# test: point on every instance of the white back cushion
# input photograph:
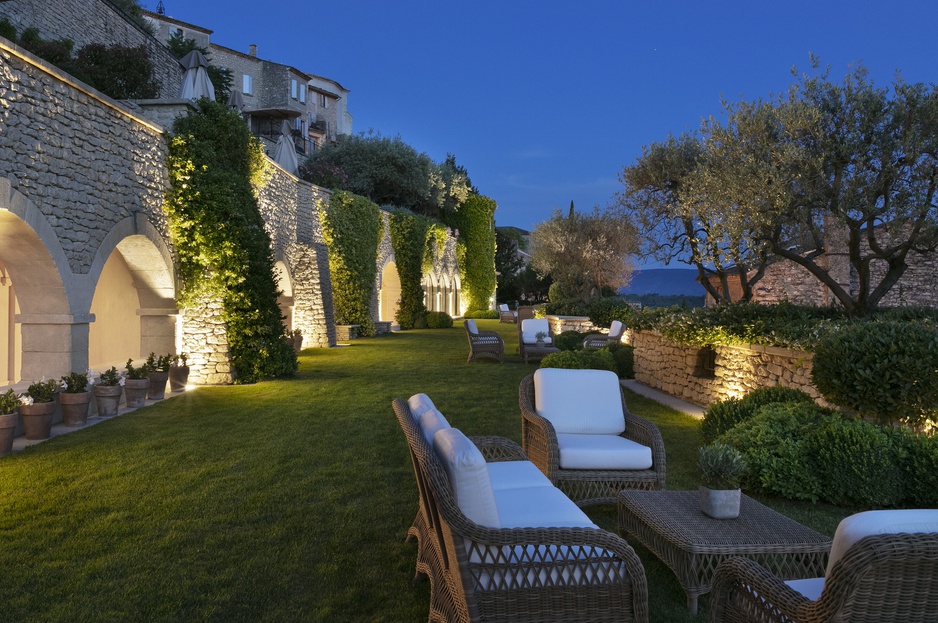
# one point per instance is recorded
(530, 328)
(430, 422)
(468, 476)
(585, 402)
(855, 527)
(503, 307)
(471, 325)
(419, 403)
(615, 329)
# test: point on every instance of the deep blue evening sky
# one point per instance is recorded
(544, 102)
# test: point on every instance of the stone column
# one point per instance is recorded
(157, 330)
(205, 341)
(53, 344)
(312, 294)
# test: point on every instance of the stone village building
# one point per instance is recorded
(87, 268)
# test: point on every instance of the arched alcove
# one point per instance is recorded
(390, 297)
(11, 361)
(285, 301)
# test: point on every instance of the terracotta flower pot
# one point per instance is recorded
(178, 377)
(135, 391)
(157, 389)
(74, 408)
(108, 398)
(37, 419)
(7, 431)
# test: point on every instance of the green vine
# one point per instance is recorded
(410, 234)
(352, 228)
(475, 249)
(224, 250)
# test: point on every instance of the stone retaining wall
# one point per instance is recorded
(683, 371)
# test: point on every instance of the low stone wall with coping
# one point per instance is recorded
(709, 374)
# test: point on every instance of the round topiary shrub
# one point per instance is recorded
(886, 370)
(580, 360)
(624, 356)
(722, 416)
(569, 340)
(439, 320)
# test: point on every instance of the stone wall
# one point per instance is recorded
(94, 21)
(683, 371)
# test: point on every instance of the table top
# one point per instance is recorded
(676, 516)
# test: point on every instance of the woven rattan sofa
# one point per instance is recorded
(600, 340)
(544, 561)
(577, 429)
(883, 568)
(483, 344)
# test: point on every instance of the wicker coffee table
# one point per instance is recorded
(671, 525)
(538, 352)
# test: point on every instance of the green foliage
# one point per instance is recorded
(9, 401)
(135, 373)
(603, 311)
(409, 238)
(569, 340)
(75, 383)
(918, 459)
(55, 51)
(641, 301)
(481, 313)
(159, 364)
(352, 228)
(723, 415)
(476, 249)
(223, 247)
(721, 465)
(109, 377)
(42, 391)
(580, 360)
(134, 11)
(7, 31)
(508, 264)
(888, 370)
(624, 356)
(221, 77)
(119, 71)
(439, 320)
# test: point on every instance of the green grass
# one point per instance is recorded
(280, 501)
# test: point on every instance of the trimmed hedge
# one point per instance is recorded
(475, 248)
(409, 240)
(624, 356)
(724, 415)
(489, 314)
(580, 360)
(569, 340)
(439, 320)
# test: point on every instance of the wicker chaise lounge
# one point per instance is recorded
(883, 568)
(483, 344)
(562, 572)
(600, 340)
(629, 455)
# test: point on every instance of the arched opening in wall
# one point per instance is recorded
(431, 292)
(285, 300)
(389, 299)
(446, 290)
(10, 340)
(457, 297)
(134, 306)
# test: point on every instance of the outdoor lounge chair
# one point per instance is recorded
(483, 344)
(883, 568)
(527, 336)
(506, 315)
(537, 563)
(600, 340)
(576, 428)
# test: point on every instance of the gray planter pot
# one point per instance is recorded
(157, 388)
(719, 503)
(74, 408)
(107, 398)
(135, 392)
(7, 431)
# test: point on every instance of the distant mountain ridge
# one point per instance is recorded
(667, 281)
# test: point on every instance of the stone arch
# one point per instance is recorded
(446, 295)
(389, 298)
(431, 289)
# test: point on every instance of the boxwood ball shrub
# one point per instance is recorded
(624, 356)
(887, 370)
(569, 340)
(580, 360)
(439, 320)
(724, 415)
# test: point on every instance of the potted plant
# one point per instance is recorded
(179, 372)
(37, 409)
(539, 338)
(158, 374)
(136, 384)
(297, 340)
(75, 399)
(107, 392)
(9, 402)
(722, 467)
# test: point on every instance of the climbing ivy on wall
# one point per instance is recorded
(409, 237)
(352, 228)
(475, 249)
(224, 251)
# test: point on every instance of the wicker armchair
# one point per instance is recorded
(506, 315)
(600, 340)
(880, 578)
(484, 344)
(478, 573)
(588, 486)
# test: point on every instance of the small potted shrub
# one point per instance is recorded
(179, 372)
(722, 466)
(37, 409)
(539, 337)
(9, 402)
(107, 392)
(74, 399)
(136, 384)
(158, 374)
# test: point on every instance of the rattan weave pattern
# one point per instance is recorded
(671, 525)
(888, 578)
(485, 345)
(518, 574)
(586, 487)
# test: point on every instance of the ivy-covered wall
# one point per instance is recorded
(475, 220)
(409, 236)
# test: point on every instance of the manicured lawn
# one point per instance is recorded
(280, 501)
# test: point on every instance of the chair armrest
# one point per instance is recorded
(489, 334)
(539, 439)
(496, 449)
(643, 431)
(749, 590)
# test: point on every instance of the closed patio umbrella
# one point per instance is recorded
(195, 82)
(236, 100)
(285, 152)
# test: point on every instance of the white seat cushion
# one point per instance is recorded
(468, 476)
(516, 475)
(419, 403)
(579, 401)
(810, 587)
(602, 452)
(539, 507)
(530, 327)
(430, 422)
(471, 325)
(855, 527)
